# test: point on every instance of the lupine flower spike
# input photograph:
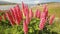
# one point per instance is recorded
(51, 19)
(10, 18)
(16, 16)
(12, 13)
(23, 5)
(19, 12)
(42, 23)
(43, 15)
(26, 10)
(38, 14)
(45, 9)
(30, 14)
(25, 27)
(27, 19)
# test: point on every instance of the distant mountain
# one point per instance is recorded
(48, 3)
(5, 3)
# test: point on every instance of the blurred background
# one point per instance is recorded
(11, 3)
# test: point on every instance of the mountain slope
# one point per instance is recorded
(4, 2)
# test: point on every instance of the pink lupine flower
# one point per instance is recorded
(19, 12)
(23, 6)
(37, 14)
(12, 13)
(27, 14)
(45, 10)
(51, 19)
(43, 15)
(10, 18)
(26, 10)
(46, 13)
(42, 23)
(30, 14)
(27, 18)
(25, 27)
(16, 16)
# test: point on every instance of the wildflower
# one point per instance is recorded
(16, 16)
(27, 19)
(23, 5)
(51, 19)
(30, 14)
(19, 12)
(37, 14)
(26, 10)
(16, 13)
(25, 27)
(43, 15)
(44, 8)
(42, 23)
(10, 18)
(46, 11)
(12, 13)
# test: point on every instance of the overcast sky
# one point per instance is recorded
(31, 1)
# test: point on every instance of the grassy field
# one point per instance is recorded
(53, 8)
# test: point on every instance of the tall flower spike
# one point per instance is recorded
(30, 14)
(12, 13)
(51, 19)
(45, 9)
(23, 6)
(25, 27)
(37, 14)
(42, 23)
(26, 10)
(27, 17)
(16, 16)
(19, 12)
(43, 15)
(27, 14)
(10, 18)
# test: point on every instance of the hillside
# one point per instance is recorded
(5, 3)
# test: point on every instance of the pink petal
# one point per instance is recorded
(30, 14)
(42, 23)
(25, 27)
(38, 14)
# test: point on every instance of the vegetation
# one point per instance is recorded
(7, 28)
